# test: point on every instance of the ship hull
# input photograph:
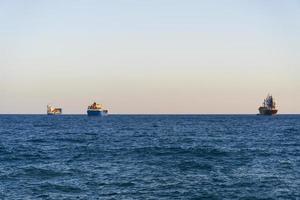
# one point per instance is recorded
(96, 113)
(53, 113)
(265, 111)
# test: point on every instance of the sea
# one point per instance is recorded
(150, 157)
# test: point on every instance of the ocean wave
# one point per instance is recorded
(65, 188)
(42, 173)
(177, 151)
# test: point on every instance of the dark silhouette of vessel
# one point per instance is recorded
(268, 107)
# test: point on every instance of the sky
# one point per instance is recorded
(149, 56)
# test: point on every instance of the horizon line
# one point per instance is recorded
(69, 114)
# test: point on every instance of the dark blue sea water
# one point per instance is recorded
(150, 157)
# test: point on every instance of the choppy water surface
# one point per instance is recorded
(150, 157)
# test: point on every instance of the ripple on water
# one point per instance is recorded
(169, 151)
(66, 188)
(42, 173)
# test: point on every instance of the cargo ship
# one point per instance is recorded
(53, 111)
(268, 107)
(96, 110)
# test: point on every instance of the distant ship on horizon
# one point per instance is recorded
(268, 107)
(96, 110)
(53, 111)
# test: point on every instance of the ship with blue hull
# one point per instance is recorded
(96, 110)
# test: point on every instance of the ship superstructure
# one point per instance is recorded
(96, 110)
(53, 111)
(268, 107)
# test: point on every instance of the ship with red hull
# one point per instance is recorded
(268, 107)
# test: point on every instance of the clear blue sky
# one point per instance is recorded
(158, 56)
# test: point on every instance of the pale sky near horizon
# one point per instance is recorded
(158, 56)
